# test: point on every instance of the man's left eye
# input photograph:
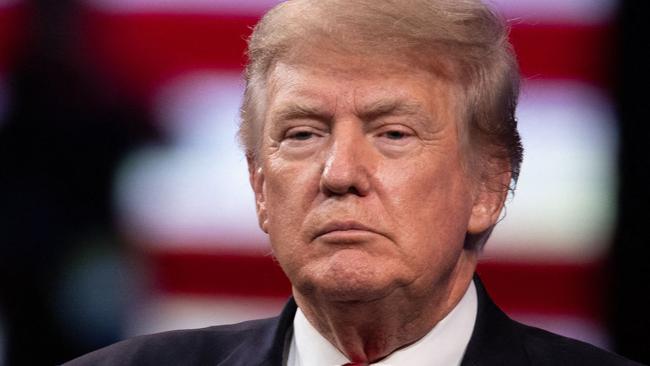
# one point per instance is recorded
(395, 135)
(301, 135)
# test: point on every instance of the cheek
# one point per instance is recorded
(430, 203)
(290, 188)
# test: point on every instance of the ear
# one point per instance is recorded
(489, 198)
(256, 179)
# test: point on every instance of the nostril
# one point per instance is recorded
(352, 190)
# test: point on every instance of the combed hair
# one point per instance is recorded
(463, 41)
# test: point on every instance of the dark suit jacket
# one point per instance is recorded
(496, 340)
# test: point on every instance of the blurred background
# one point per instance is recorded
(125, 207)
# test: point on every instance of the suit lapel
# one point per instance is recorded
(266, 347)
(495, 339)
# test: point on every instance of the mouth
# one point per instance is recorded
(344, 228)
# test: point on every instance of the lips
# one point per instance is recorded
(343, 226)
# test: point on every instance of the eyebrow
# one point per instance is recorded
(299, 111)
(390, 107)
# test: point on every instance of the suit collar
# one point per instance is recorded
(282, 334)
(495, 339)
(267, 346)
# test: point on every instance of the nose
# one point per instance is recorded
(348, 164)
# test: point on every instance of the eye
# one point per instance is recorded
(300, 135)
(395, 135)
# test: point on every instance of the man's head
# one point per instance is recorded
(380, 136)
(461, 40)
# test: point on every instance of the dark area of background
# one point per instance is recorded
(630, 303)
(63, 136)
(66, 131)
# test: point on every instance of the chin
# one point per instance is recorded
(348, 281)
(353, 294)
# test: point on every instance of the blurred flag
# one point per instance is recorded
(188, 207)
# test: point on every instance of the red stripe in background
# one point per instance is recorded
(13, 30)
(553, 289)
(144, 50)
(576, 289)
(574, 52)
(182, 272)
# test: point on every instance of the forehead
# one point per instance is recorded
(335, 81)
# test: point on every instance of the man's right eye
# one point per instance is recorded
(301, 135)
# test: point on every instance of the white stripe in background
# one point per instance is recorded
(568, 326)
(554, 11)
(241, 7)
(193, 191)
(564, 206)
(169, 312)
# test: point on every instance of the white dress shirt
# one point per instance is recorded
(444, 345)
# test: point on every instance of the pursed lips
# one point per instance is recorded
(344, 226)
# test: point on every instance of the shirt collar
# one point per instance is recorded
(445, 344)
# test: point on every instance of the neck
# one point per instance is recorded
(371, 330)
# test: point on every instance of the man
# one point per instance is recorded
(381, 145)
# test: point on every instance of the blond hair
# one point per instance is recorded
(461, 40)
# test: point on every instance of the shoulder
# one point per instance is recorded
(499, 340)
(545, 348)
(187, 347)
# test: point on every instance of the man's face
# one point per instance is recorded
(360, 181)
